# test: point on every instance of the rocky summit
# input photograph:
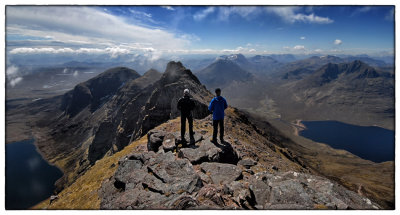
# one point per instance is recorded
(203, 175)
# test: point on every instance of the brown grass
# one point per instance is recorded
(83, 193)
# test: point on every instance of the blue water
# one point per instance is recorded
(29, 178)
(370, 143)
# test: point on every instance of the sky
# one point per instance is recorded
(162, 31)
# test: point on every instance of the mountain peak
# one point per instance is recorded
(176, 71)
(151, 72)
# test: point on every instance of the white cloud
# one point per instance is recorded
(12, 70)
(112, 51)
(299, 47)
(203, 14)
(302, 38)
(76, 73)
(139, 13)
(246, 12)
(224, 12)
(13, 75)
(91, 27)
(15, 81)
(296, 49)
(289, 14)
(361, 10)
(168, 7)
(337, 42)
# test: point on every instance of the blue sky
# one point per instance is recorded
(156, 31)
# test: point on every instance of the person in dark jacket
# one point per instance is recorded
(186, 105)
(217, 107)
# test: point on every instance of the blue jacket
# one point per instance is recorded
(217, 106)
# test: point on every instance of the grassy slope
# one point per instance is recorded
(83, 193)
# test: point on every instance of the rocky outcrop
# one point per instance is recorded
(195, 177)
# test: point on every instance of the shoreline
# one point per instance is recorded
(298, 127)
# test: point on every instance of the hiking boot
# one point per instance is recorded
(192, 140)
(214, 141)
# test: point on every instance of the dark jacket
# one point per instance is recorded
(217, 107)
(186, 105)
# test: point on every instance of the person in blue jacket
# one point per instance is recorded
(217, 108)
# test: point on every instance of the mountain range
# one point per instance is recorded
(319, 87)
(91, 132)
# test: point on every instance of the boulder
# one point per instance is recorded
(204, 151)
(211, 195)
(169, 143)
(221, 173)
(260, 190)
(155, 139)
(247, 163)
(150, 180)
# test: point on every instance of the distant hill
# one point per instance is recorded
(351, 92)
(222, 73)
(284, 58)
(95, 91)
(259, 64)
(298, 69)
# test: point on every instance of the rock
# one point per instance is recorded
(205, 151)
(127, 171)
(240, 193)
(53, 198)
(211, 193)
(155, 140)
(293, 190)
(289, 192)
(285, 207)
(247, 163)
(204, 178)
(228, 154)
(169, 143)
(150, 180)
(184, 202)
(260, 190)
(196, 137)
(221, 173)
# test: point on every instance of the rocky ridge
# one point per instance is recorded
(222, 176)
(74, 134)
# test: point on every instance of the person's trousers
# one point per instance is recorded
(183, 125)
(219, 123)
